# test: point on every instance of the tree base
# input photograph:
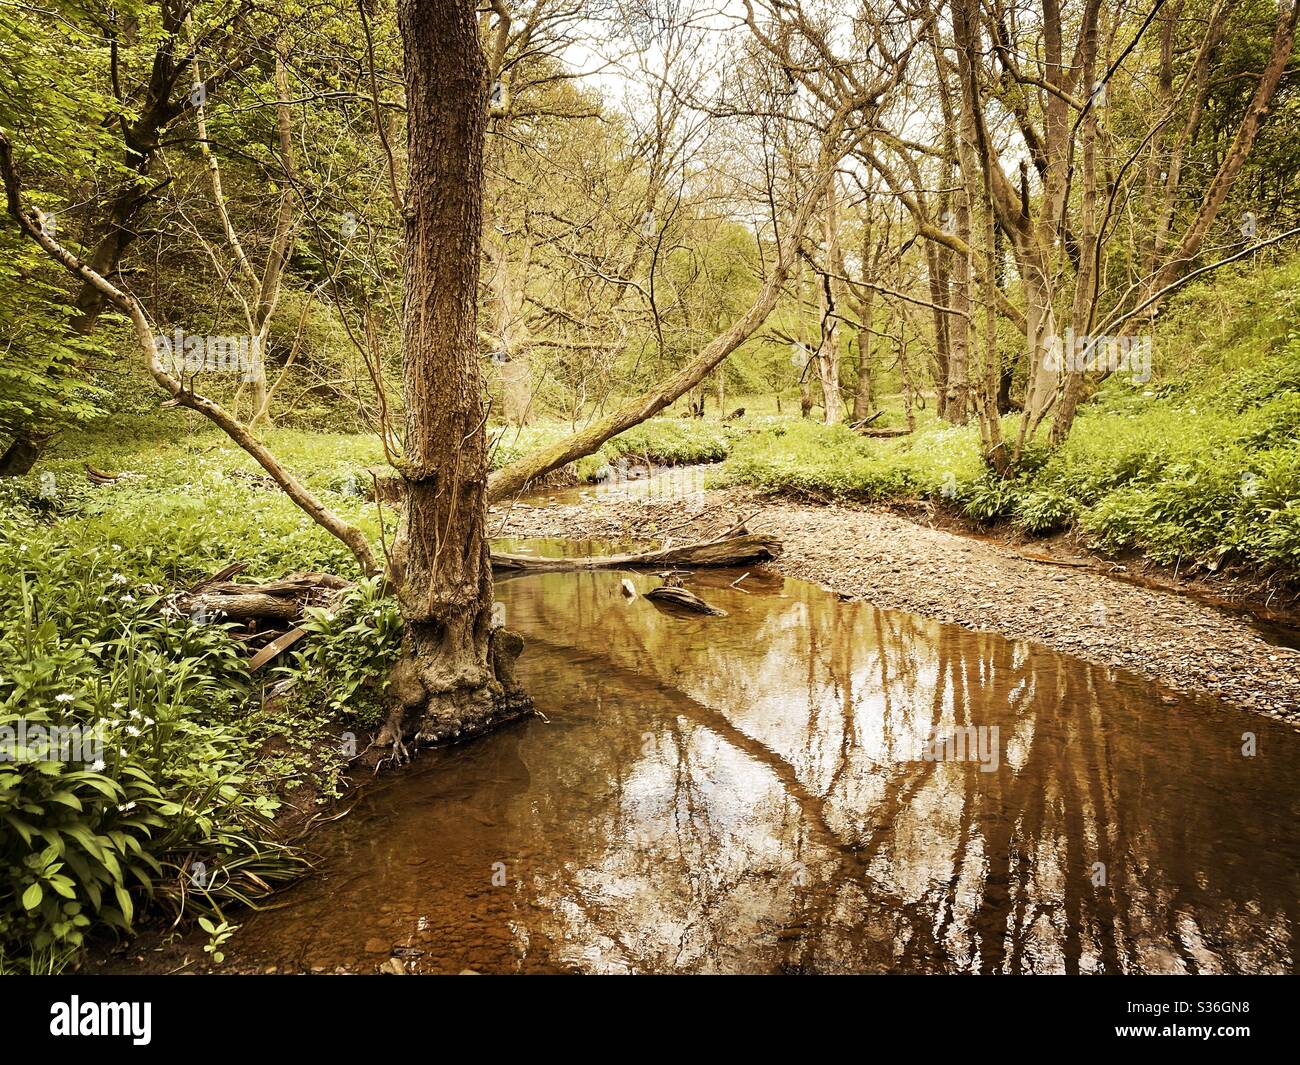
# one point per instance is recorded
(21, 455)
(430, 712)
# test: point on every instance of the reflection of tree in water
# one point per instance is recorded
(738, 794)
(777, 741)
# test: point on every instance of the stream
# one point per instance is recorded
(755, 794)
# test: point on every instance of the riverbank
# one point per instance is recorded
(985, 585)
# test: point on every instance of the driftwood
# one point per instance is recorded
(724, 551)
(680, 597)
(864, 422)
(275, 602)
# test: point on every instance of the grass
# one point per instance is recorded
(1199, 466)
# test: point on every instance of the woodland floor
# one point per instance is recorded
(1072, 604)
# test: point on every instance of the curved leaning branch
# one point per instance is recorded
(509, 481)
(30, 223)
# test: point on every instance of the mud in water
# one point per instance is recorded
(755, 793)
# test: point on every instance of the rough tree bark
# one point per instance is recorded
(455, 677)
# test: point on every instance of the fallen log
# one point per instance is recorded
(275, 601)
(895, 430)
(862, 423)
(296, 584)
(724, 551)
(246, 606)
(680, 597)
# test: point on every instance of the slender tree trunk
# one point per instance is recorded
(957, 405)
(866, 306)
(455, 677)
(905, 372)
(862, 389)
(508, 285)
(829, 291)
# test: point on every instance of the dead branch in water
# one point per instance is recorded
(680, 597)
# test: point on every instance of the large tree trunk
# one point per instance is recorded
(455, 677)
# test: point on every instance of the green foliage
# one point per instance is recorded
(1200, 466)
(344, 663)
(42, 385)
(1044, 509)
(672, 442)
(218, 933)
(798, 455)
(989, 498)
(171, 784)
(662, 441)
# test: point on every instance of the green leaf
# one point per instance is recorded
(124, 901)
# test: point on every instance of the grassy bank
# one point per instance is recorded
(194, 777)
(1199, 466)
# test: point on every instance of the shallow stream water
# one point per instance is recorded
(764, 792)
